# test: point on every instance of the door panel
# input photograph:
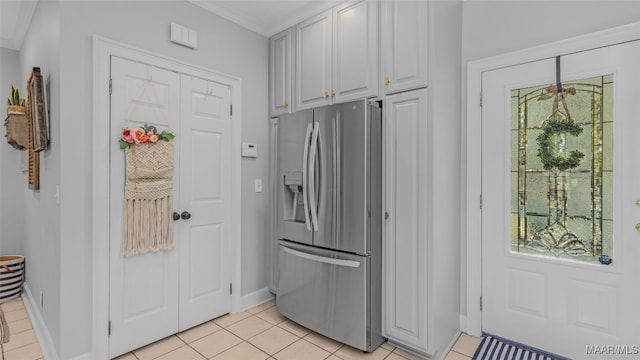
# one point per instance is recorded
(205, 188)
(143, 297)
(343, 141)
(292, 134)
(542, 282)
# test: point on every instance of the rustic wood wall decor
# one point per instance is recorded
(40, 125)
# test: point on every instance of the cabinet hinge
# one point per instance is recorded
(480, 201)
(109, 328)
(231, 110)
(480, 303)
(230, 288)
(481, 99)
(110, 86)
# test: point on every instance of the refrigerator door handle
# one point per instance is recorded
(312, 175)
(304, 176)
(322, 259)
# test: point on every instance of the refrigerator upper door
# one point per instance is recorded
(342, 177)
(294, 137)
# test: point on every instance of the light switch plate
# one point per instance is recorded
(258, 185)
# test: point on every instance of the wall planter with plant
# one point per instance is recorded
(17, 123)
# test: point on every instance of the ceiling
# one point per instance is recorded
(265, 17)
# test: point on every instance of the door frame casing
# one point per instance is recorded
(103, 49)
(617, 35)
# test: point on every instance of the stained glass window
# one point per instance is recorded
(562, 169)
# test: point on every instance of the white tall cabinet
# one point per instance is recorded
(337, 55)
(421, 80)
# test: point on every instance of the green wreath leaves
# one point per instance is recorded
(546, 147)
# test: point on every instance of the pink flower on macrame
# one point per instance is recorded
(153, 138)
(126, 136)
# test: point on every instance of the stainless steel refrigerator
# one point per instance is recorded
(330, 221)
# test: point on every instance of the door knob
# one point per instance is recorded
(176, 216)
(185, 215)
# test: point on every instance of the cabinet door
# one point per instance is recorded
(405, 45)
(280, 68)
(313, 62)
(355, 51)
(406, 196)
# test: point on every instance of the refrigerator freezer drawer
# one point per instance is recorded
(325, 291)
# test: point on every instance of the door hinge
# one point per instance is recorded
(109, 328)
(480, 201)
(110, 86)
(231, 110)
(480, 303)
(386, 215)
(481, 99)
(230, 288)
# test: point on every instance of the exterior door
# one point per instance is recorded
(559, 189)
(205, 188)
(143, 288)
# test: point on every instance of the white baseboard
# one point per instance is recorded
(255, 298)
(39, 326)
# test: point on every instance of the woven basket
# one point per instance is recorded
(11, 277)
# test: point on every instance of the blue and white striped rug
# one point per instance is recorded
(495, 348)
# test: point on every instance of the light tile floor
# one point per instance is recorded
(23, 344)
(259, 333)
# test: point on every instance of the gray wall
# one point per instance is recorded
(491, 28)
(57, 238)
(41, 237)
(12, 181)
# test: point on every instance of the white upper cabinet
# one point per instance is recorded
(337, 55)
(313, 61)
(404, 34)
(355, 51)
(280, 71)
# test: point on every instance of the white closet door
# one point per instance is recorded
(143, 288)
(205, 190)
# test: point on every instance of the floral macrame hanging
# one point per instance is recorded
(148, 190)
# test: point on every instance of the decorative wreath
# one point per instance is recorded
(545, 145)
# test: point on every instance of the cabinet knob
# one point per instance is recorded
(185, 215)
(638, 227)
(386, 80)
(285, 104)
(176, 216)
(326, 94)
(333, 93)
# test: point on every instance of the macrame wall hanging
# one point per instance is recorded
(148, 190)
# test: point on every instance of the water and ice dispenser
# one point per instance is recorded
(293, 202)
